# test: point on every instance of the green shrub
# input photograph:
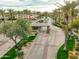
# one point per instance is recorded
(11, 54)
(64, 54)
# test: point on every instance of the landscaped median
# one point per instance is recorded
(11, 54)
(64, 54)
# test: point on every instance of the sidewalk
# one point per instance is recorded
(7, 45)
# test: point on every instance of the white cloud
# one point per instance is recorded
(44, 0)
(9, 1)
(35, 5)
(48, 8)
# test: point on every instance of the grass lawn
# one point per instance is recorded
(64, 54)
(11, 54)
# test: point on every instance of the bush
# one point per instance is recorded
(11, 54)
(64, 54)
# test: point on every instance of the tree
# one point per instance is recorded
(69, 12)
(25, 25)
(44, 14)
(18, 28)
(11, 14)
(75, 24)
(26, 11)
(57, 15)
(66, 12)
(2, 14)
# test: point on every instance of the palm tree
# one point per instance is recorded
(26, 12)
(56, 15)
(73, 10)
(11, 14)
(38, 14)
(44, 14)
(2, 15)
(19, 14)
(68, 11)
(75, 24)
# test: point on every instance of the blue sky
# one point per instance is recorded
(35, 5)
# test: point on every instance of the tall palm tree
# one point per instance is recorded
(2, 15)
(38, 13)
(26, 12)
(75, 24)
(11, 14)
(68, 11)
(19, 14)
(56, 15)
(73, 10)
(44, 14)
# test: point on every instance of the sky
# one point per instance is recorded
(34, 5)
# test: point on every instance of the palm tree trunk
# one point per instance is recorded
(66, 36)
(66, 32)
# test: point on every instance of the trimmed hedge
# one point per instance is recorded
(64, 54)
(11, 54)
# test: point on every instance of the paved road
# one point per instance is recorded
(45, 45)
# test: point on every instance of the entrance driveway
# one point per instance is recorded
(45, 46)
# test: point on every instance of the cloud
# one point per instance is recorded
(35, 5)
(15, 3)
(44, 0)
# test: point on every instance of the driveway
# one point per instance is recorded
(45, 46)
